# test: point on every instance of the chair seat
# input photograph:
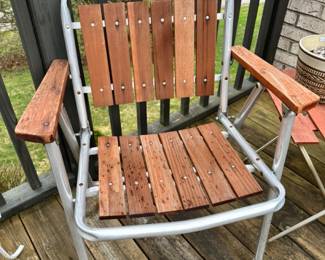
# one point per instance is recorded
(169, 172)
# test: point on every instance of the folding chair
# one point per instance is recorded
(166, 172)
(303, 133)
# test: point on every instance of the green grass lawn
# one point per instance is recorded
(20, 88)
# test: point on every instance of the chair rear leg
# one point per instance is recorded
(264, 234)
(62, 183)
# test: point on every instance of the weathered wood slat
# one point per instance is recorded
(96, 54)
(291, 93)
(184, 47)
(190, 190)
(138, 13)
(161, 18)
(48, 231)
(162, 183)
(212, 177)
(111, 191)
(13, 233)
(140, 201)
(206, 37)
(39, 122)
(317, 114)
(118, 48)
(242, 181)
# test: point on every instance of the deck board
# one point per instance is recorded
(303, 198)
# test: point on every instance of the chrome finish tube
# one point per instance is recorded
(229, 17)
(73, 62)
(249, 104)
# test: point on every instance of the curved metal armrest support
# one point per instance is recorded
(39, 122)
(164, 229)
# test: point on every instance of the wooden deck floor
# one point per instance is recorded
(43, 230)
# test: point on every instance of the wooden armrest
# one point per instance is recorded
(295, 96)
(39, 121)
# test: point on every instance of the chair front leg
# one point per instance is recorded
(278, 166)
(62, 183)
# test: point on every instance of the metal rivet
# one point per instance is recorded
(117, 23)
(101, 90)
(110, 184)
(136, 183)
(205, 80)
(92, 24)
(144, 85)
(46, 124)
(130, 144)
(233, 166)
(164, 83)
(139, 21)
(184, 177)
(123, 87)
(162, 20)
(209, 173)
(67, 26)
(184, 18)
(207, 18)
(184, 81)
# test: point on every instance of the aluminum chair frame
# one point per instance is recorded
(75, 208)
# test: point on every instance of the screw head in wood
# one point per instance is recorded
(92, 24)
(209, 172)
(117, 23)
(130, 144)
(144, 85)
(110, 184)
(184, 177)
(162, 20)
(184, 81)
(207, 18)
(46, 124)
(123, 87)
(233, 166)
(139, 21)
(101, 90)
(164, 83)
(184, 18)
(205, 80)
(107, 144)
(136, 183)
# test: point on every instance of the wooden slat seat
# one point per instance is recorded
(170, 172)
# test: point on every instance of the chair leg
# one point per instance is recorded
(62, 183)
(264, 234)
(312, 168)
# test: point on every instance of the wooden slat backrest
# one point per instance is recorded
(96, 54)
(141, 50)
(206, 29)
(163, 48)
(117, 40)
(150, 57)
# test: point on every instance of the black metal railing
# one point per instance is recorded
(39, 25)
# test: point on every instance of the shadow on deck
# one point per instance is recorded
(43, 230)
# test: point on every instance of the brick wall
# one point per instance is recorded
(303, 17)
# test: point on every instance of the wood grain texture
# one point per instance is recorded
(291, 93)
(184, 47)
(206, 37)
(96, 54)
(212, 177)
(240, 179)
(303, 128)
(111, 191)
(317, 114)
(138, 13)
(140, 201)
(39, 122)
(189, 187)
(162, 183)
(161, 17)
(118, 48)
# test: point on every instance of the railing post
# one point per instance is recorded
(10, 120)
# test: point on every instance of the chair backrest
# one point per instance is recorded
(136, 52)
